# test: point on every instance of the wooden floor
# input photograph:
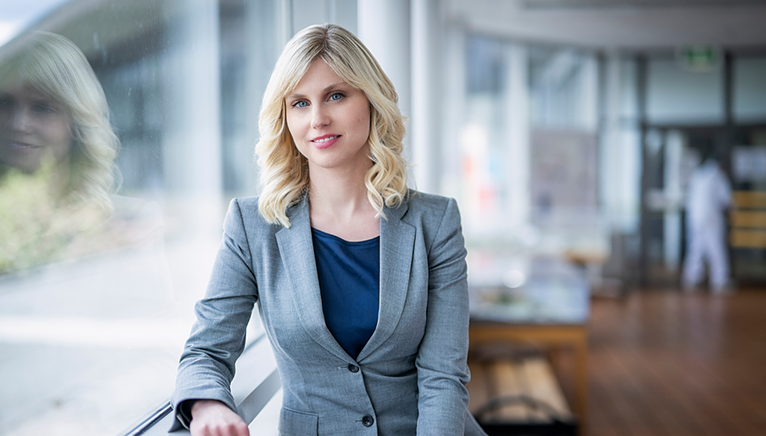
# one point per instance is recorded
(666, 363)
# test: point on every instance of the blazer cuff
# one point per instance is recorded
(182, 415)
(183, 408)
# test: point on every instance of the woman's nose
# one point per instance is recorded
(20, 120)
(319, 117)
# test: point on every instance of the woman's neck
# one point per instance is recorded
(338, 205)
(56, 175)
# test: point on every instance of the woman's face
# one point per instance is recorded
(32, 126)
(329, 120)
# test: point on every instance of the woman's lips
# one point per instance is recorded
(325, 141)
(23, 146)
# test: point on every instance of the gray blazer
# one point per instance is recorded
(410, 376)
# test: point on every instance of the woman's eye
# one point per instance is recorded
(337, 96)
(43, 108)
(300, 103)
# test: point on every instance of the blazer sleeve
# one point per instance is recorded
(441, 361)
(217, 338)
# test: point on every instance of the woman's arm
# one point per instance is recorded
(218, 337)
(441, 362)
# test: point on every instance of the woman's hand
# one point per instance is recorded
(213, 418)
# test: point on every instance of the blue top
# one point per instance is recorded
(349, 280)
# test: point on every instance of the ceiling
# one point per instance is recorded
(618, 24)
(622, 25)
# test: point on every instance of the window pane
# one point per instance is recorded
(562, 89)
(750, 89)
(680, 96)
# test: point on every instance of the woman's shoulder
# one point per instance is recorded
(245, 203)
(434, 215)
(244, 211)
(423, 202)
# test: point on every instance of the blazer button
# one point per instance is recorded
(367, 421)
(353, 368)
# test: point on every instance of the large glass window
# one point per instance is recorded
(124, 131)
(528, 146)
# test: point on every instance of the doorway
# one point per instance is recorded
(670, 155)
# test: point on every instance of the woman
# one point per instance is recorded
(360, 283)
(57, 150)
(52, 107)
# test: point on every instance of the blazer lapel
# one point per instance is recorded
(297, 252)
(397, 242)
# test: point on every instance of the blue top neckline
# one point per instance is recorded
(341, 240)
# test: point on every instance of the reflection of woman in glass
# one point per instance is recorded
(56, 152)
(361, 283)
(52, 107)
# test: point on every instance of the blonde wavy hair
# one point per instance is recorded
(284, 170)
(56, 67)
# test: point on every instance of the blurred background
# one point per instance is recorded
(566, 130)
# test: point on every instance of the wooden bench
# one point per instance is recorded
(518, 394)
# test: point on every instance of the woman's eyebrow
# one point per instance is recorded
(327, 89)
(333, 86)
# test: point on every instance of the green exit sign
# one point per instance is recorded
(699, 57)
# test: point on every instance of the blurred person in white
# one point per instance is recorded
(708, 198)
(360, 282)
(57, 151)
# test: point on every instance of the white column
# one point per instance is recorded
(285, 22)
(263, 20)
(192, 137)
(426, 95)
(384, 27)
(518, 134)
(588, 104)
(610, 156)
(453, 113)
(619, 149)
(674, 147)
(308, 12)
